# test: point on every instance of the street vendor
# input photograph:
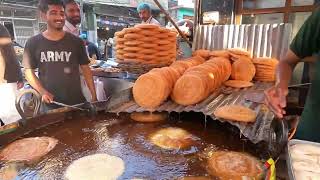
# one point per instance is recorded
(145, 15)
(306, 43)
(10, 78)
(73, 18)
(57, 55)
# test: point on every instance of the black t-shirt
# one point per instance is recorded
(58, 63)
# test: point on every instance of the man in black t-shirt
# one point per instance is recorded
(57, 55)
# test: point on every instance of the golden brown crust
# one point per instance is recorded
(146, 117)
(234, 165)
(236, 113)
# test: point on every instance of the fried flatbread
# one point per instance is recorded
(148, 116)
(172, 138)
(97, 166)
(236, 113)
(238, 84)
(234, 165)
(28, 149)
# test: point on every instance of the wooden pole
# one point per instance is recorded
(173, 23)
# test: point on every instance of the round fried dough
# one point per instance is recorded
(146, 117)
(238, 84)
(150, 39)
(150, 90)
(148, 51)
(236, 113)
(172, 138)
(190, 89)
(27, 149)
(148, 45)
(162, 36)
(131, 30)
(149, 32)
(202, 53)
(97, 166)
(132, 43)
(132, 49)
(239, 51)
(131, 36)
(147, 26)
(165, 47)
(220, 53)
(163, 42)
(243, 70)
(234, 165)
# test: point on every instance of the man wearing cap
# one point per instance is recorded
(145, 15)
(10, 78)
(73, 18)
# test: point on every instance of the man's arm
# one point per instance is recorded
(87, 74)
(305, 44)
(36, 84)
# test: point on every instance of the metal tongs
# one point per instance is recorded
(76, 106)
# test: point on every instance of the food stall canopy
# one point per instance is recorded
(262, 40)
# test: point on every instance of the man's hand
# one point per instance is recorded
(47, 97)
(20, 85)
(275, 99)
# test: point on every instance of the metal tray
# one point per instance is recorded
(289, 159)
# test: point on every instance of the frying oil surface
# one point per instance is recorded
(129, 140)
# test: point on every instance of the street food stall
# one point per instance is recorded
(182, 119)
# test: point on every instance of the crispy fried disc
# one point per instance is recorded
(239, 51)
(120, 40)
(165, 47)
(147, 26)
(163, 42)
(234, 165)
(172, 138)
(202, 52)
(238, 84)
(150, 90)
(150, 32)
(97, 166)
(220, 53)
(149, 45)
(132, 49)
(243, 70)
(148, 116)
(236, 113)
(131, 30)
(28, 149)
(132, 43)
(150, 39)
(132, 36)
(148, 51)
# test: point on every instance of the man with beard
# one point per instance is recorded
(57, 55)
(10, 78)
(73, 19)
(145, 15)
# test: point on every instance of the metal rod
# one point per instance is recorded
(173, 23)
(69, 106)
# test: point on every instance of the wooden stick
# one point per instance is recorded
(173, 23)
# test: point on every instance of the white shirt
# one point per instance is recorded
(151, 20)
(68, 27)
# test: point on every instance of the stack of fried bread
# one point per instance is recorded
(146, 44)
(265, 69)
(198, 82)
(153, 88)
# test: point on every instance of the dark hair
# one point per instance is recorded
(44, 4)
(66, 2)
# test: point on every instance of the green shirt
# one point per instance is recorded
(306, 43)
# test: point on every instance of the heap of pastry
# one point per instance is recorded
(146, 44)
(265, 68)
(198, 82)
(153, 88)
